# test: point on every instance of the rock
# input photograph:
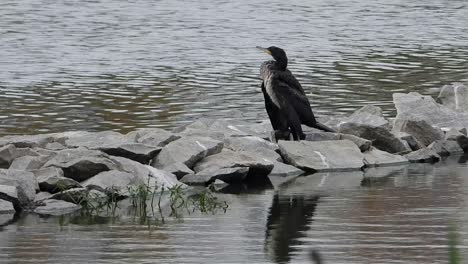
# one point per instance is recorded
(337, 155)
(320, 136)
(459, 137)
(54, 146)
(284, 170)
(379, 158)
(7, 155)
(28, 163)
(113, 181)
(262, 129)
(219, 185)
(27, 141)
(161, 178)
(187, 150)
(423, 155)
(52, 180)
(74, 195)
(445, 147)
(56, 207)
(10, 193)
(6, 207)
(420, 129)
(413, 143)
(253, 144)
(381, 137)
(368, 115)
(24, 181)
(155, 137)
(81, 164)
(134, 151)
(213, 128)
(362, 143)
(454, 96)
(209, 175)
(414, 106)
(178, 169)
(259, 167)
(41, 196)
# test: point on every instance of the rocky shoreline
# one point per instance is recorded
(42, 173)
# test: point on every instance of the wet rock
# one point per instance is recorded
(445, 147)
(414, 106)
(28, 163)
(187, 150)
(10, 193)
(379, 158)
(423, 155)
(284, 170)
(259, 167)
(74, 195)
(420, 129)
(155, 137)
(113, 180)
(209, 175)
(81, 164)
(24, 181)
(380, 137)
(254, 144)
(6, 207)
(337, 155)
(454, 96)
(178, 169)
(56, 207)
(52, 180)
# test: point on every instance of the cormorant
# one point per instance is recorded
(285, 101)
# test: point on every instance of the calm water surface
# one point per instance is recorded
(402, 218)
(106, 64)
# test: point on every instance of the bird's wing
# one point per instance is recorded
(288, 98)
(287, 77)
(276, 119)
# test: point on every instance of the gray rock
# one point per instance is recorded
(10, 193)
(420, 129)
(254, 144)
(56, 207)
(155, 137)
(362, 143)
(380, 137)
(209, 175)
(413, 143)
(318, 135)
(28, 163)
(414, 106)
(134, 151)
(379, 158)
(54, 146)
(284, 170)
(74, 195)
(337, 155)
(423, 155)
(445, 147)
(368, 115)
(178, 169)
(259, 167)
(41, 196)
(219, 185)
(6, 207)
(7, 155)
(187, 150)
(459, 137)
(262, 129)
(81, 164)
(213, 128)
(113, 180)
(24, 181)
(52, 180)
(27, 141)
(454, 96)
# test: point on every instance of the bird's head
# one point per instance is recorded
(278, 54)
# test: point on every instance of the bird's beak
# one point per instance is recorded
(264, 50)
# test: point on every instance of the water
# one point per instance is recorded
(402, 218)
(121, 65)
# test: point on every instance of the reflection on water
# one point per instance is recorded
(403, 217)
(98, 65)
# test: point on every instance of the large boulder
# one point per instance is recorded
(56, 207)
(81, 164)
(381, 137)
(10, 193)
(445, 147)
(336, 155)
(368, 115)
(52, 180)
(24, 181)
(379, 158)
(179, 169)
(454, 96)
(112, 180)
(259, 167)
(209, 175)
(423, 155)
(414, 106)
(28, 163)
(421, 130)
(187, 150)
(253, 144)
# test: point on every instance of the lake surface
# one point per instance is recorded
(121, 65)
(401, 218)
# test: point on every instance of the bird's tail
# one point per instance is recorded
(324, 127)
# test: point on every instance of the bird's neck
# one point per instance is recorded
(281, 63)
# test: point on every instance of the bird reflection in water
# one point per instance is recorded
(288, 219)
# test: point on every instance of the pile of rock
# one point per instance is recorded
(46, 173)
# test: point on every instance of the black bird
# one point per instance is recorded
(285, 101)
